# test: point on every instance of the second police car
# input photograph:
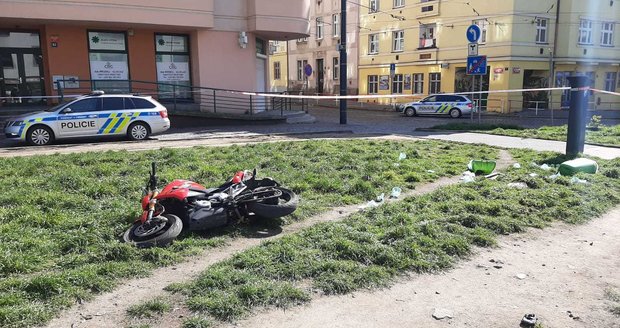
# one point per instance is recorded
(95, 114)
(453, 105)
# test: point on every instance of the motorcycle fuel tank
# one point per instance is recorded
(180, 189)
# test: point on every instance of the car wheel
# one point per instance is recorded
(40, 136)
(138, 131)
(455, 113)
(410, 111)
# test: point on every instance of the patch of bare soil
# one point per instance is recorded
(109, 310)
(560, 273)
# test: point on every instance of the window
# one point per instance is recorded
(336, 24)
(418, 83)
(397, 84)
(173, 69)
(541, 30)
(301, 64)
(373, 84)
(607, 34)
(399, 3)
(398, 41)
(319, 28)
(276, 71)
(86, 105)
(336, 68)
(113, 103)
(435, 83)
(109, 66)
(373, 44)
(483, 24)
(585, 32)
(427, 36)
(143, 103)
(610, 81)
(373, 6)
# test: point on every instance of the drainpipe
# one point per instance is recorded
(553, 55)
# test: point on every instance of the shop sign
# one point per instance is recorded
(384, 82)
(498, 70)
(172, 72)
(109, 70)
(171, 43)
(106, 41)
(516, 70)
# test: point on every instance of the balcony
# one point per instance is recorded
(154, 13)
(279, 19)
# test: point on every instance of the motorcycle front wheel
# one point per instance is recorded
(156, 233)
(283, 203)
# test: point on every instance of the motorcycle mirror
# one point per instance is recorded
(153, 168)
(254, 174)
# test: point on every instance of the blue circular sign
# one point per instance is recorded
(473, 33)
(308, 70)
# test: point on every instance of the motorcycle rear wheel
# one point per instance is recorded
(275, 207)
(158, 235)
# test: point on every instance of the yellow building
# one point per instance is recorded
(427, 43)
(278, 66)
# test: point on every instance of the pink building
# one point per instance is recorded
(209, 43)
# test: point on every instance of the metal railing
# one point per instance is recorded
(179, 98)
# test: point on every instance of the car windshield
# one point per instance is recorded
(55, 108)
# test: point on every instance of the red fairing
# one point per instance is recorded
(238, 177)
(179, 189)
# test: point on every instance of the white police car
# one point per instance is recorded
(95, 114)
(453, 105)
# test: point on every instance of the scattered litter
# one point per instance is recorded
(516, 165)
(498, 266)
(533, 175)
(440, 314)
(371, 204)
(518, 185)
(402, 156)
(380, 198)
(576, 180)
(545, 167)
(481, 166)
(521, 276)
(554, 176)
(529, 320)
(578, 165)
(492, 176)
(396, 165)
(430, 171)
(395, 192)
(468, 177)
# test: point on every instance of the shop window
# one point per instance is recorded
(173, 66)
(109, 66)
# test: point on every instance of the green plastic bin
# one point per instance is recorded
(481, 166)
(578, 165)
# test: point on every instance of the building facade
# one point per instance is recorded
(209, 43)
(278, 66)
(314, 61)
(425, 42)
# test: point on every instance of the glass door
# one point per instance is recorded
(21, 79)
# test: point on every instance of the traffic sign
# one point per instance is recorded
(392, 69)
(477, 65)
(472, 50)
(473, 33)
(308, 69)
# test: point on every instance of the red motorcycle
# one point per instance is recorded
(185, 204)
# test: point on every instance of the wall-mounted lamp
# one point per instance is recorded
(243, 40)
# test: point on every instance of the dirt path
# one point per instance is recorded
(108, 310)
(567, 268)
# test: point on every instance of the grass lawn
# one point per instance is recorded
(420, 234)
(605, 135)
(61, 216)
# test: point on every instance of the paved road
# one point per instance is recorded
(360, 122)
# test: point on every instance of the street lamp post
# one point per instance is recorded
(343, 61)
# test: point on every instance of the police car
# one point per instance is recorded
(452, 105)
(96, 114)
